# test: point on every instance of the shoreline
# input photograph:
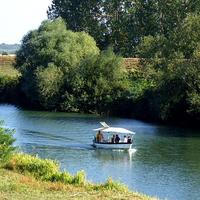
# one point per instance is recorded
(25, 176)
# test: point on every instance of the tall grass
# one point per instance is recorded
(43, 169)
(49, 170)
(26, 164)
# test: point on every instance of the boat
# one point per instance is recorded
(108, 137)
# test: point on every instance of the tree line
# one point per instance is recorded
(123, 23)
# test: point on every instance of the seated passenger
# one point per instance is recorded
(101, 137)
(129, 140)
(113, 139)
(98, 136)
(125, 139)
(117, 139)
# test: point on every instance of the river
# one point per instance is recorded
(166, 163)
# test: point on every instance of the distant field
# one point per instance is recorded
(6, 66)
(7, 62)
(7, 59)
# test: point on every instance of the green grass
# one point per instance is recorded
(30, 177)
(14, 186)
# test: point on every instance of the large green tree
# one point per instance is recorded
(80, 15)
(64, 70)
(48, 59)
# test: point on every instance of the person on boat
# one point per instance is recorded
(113, 139)
(99, 136)
(125, 139)
(117, 139)
(129, 140)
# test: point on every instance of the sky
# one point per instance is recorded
(17, 17)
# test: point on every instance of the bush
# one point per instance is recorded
(114, 185)
(27, 164)
(4, 53)
(79, 178)
(109, 185)
(43, 169)
(6, 142)
(64, 177)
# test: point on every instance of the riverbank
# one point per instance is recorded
(15, 186)
(11, 91)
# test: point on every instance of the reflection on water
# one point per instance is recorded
(114, 156)
(166, 163)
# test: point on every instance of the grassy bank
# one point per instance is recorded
(29, 177)
(14, 186)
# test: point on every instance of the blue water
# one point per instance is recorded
(166, 163)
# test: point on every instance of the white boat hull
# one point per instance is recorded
(112, 146)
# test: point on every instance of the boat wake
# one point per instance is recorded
(132, 150)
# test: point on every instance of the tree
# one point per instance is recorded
(106, 21)
(4, 53)
(102, 80)
(63, 70)
(80, 15)
(48, 59)
(176, 58)
(49, 82)
(123, 24)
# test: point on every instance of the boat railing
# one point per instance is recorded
(109, 142)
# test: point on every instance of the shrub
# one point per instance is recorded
(27, 164)
(114, 185)
(64, 177)
(43, 169)
(6, 142)
(79, 178)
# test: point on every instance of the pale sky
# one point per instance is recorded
(17, 17)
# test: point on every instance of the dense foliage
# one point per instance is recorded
(123, 23)
(172, 63)
(64, 70)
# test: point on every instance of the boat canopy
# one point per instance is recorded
(108, 129)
